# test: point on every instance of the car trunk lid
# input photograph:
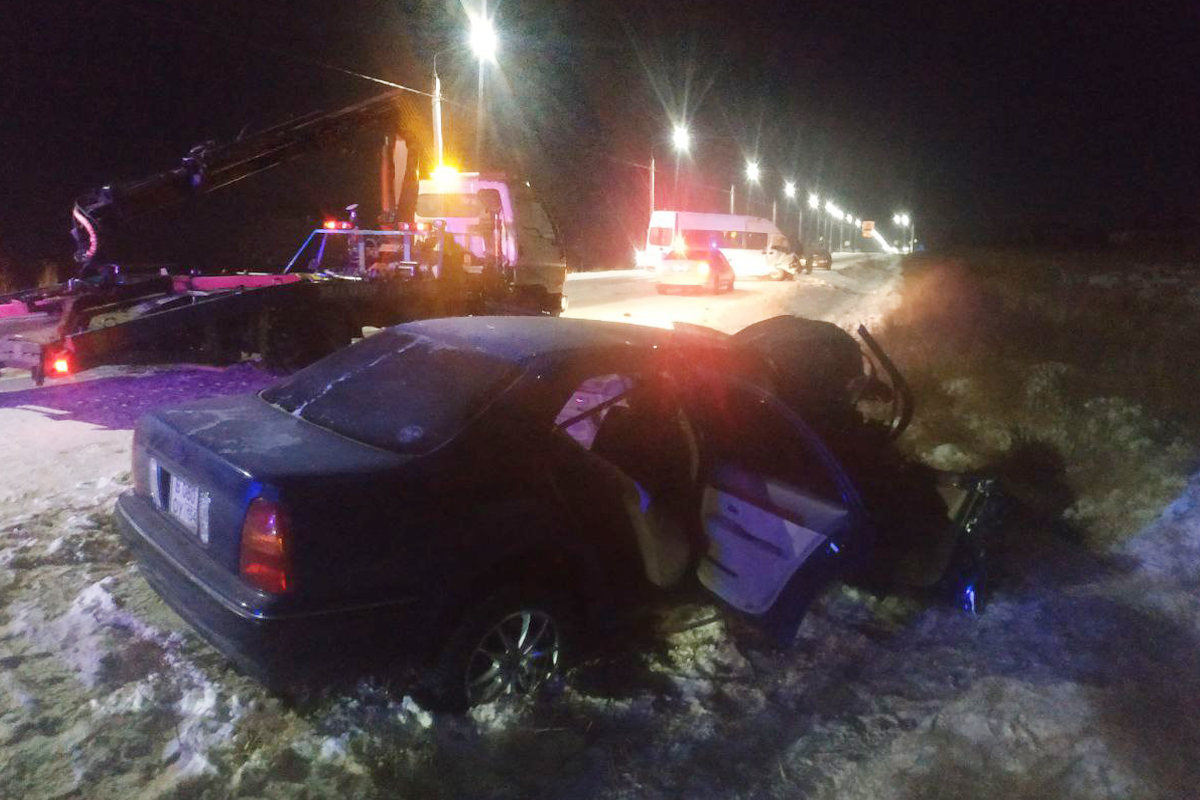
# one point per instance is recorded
(204, 462)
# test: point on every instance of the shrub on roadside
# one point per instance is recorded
(1010, 354)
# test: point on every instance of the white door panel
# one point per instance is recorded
(753, 552)
(814, 512)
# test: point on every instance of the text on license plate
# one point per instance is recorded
(184, 503)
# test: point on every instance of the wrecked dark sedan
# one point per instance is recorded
(466, 494)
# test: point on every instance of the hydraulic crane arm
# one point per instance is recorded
(210, 166)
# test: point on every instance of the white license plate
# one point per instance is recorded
(683, 268)
(185, 503)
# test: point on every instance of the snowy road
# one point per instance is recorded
(630, 296)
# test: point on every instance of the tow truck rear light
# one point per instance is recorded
(266, 553)
(421, 226)
(330, 224)
(58, 365)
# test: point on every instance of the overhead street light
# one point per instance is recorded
(814, 201)
(903, 220)
(681, 137)
(482, 38)
(752, 171)
(789, 190)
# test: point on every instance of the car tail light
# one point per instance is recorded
(703, 268)
(266, 558)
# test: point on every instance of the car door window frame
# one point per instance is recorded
(849, 495)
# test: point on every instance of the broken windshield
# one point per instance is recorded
(396, 391)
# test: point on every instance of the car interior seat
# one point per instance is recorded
(657, 464)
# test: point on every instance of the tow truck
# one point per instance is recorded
(344, 276)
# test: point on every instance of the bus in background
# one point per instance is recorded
(743, 240)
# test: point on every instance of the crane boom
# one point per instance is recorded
(211, 166)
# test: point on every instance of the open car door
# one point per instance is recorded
(778, 514)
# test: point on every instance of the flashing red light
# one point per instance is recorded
(404, 226)
(422, 226)
(62, 365)
(345, 226)
(330, 224)
(266, 558)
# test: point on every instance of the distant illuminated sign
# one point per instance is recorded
(868, 228)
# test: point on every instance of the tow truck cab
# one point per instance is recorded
(496, 219)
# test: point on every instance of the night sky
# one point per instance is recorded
(980, 121)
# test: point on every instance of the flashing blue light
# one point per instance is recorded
(833, 546)
(968, 598)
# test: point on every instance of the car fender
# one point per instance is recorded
(523, 543)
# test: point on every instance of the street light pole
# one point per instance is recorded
(484, 44)
(437, 110)
(652, 198)
(751, 179)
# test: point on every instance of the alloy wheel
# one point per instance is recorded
(516, 656)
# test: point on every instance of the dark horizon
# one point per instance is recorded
(979, 123)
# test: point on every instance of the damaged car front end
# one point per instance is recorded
(932, 531)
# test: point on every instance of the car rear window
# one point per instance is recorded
(394, 390)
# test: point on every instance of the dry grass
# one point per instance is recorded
(1076, 375)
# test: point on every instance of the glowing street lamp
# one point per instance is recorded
(681, 137)
(814, 202)
(789, 190)
(752, 171)
(483, 39)
(905, 221)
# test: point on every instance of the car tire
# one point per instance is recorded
(499, 629)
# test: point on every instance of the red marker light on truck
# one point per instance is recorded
(266, 555)
(62, 365)
(330, 224)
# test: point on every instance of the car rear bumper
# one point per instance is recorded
(281, 647)
(682, 279)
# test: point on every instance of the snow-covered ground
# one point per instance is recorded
(1081, 680)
